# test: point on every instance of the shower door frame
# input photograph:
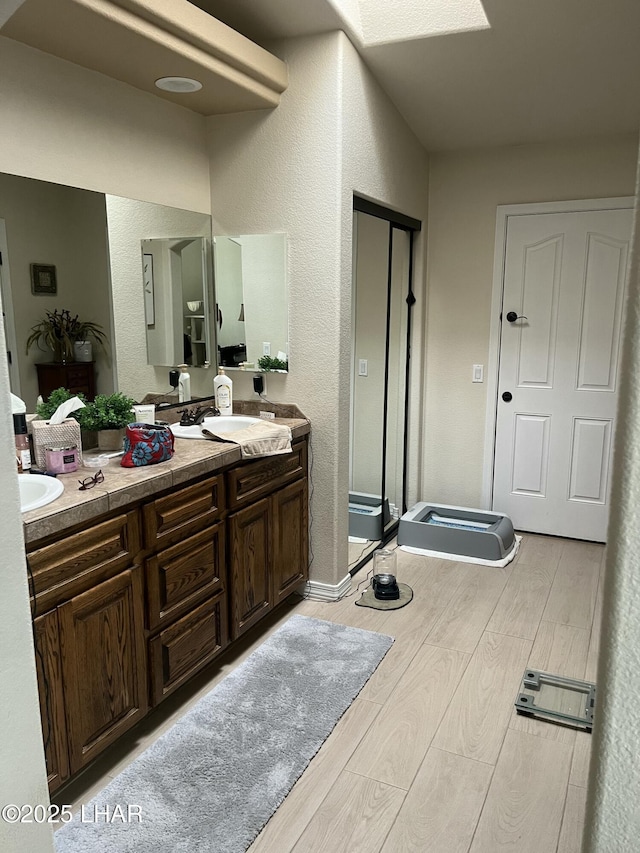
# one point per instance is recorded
(401, 222)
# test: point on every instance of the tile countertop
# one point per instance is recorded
(123, 486)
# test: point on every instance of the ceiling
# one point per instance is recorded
(542, 70)
(488, 72)
(140, 41)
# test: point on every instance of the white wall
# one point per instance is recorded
(295, 170)
(464, 190)
(66, 227)
(71, 126)
(612, 816)
(77, 127)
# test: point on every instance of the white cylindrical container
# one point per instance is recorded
(223, 392)
(184, 385)
(83, 350)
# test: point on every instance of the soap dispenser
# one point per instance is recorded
(184, 385)
(223, 392)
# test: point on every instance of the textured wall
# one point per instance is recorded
(613, 817)
(382, 160)
(465, 189)
(279, 172)
(295, 170)
(22, 771)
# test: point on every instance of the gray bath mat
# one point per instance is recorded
(211, 782)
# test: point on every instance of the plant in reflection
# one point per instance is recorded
(58, 332)
(268, 362)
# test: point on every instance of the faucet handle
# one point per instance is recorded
(185, 417)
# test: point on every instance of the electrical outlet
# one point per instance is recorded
(266, 348)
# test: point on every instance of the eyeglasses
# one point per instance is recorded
(90, 482)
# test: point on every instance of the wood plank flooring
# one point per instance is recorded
(431, 757)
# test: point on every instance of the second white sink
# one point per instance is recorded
(38, 490)
(222, 424)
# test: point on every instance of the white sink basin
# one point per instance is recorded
(37, 490)
(222, 424)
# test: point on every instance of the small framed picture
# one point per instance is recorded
(43, 279)
(149, 294)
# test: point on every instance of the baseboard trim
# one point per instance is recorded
(319, 591)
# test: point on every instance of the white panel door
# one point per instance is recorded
(564, 280)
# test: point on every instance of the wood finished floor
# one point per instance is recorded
(431, 756)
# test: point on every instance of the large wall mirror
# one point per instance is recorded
(380, 327)
(95, 243)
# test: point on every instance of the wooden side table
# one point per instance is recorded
(76, 376)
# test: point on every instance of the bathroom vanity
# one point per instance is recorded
(140, 582)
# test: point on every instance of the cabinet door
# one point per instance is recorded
(290, 564)
(103, 664)
(49, 669)
(250, 549)
(186, 646)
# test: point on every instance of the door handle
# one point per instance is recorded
(512, 316)
(507, 396)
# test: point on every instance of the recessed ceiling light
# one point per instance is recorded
(178, 84)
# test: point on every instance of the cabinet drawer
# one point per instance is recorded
(81, 560)
(183, 512)
(186, 646)
(180, 576)
(254, 480)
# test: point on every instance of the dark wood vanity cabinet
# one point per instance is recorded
(139, 601)
(268, 548)
(77, 377)
(268, 539)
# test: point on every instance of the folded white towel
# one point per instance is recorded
(262, 439)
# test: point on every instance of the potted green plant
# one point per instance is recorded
(108, 415)
(58, 332)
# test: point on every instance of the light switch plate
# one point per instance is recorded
(266, 348)
(363, 367)
(478, 373)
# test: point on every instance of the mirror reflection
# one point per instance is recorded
(251, 313)
(176, 285)
(379, 332)
(94, 242)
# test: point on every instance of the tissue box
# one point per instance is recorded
(46, 434)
